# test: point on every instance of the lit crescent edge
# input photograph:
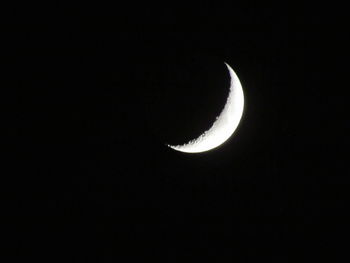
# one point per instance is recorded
(224, 125)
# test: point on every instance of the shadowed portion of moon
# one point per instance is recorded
(192, 92)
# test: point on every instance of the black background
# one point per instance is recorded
(92, 92)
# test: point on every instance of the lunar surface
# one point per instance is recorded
(224, 125)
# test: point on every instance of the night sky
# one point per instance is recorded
(91, 93)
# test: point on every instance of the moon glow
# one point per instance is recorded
(224, 125)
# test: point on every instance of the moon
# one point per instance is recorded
(224, 125)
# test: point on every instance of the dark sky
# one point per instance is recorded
(92, 92)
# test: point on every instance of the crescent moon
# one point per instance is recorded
(224, 125)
